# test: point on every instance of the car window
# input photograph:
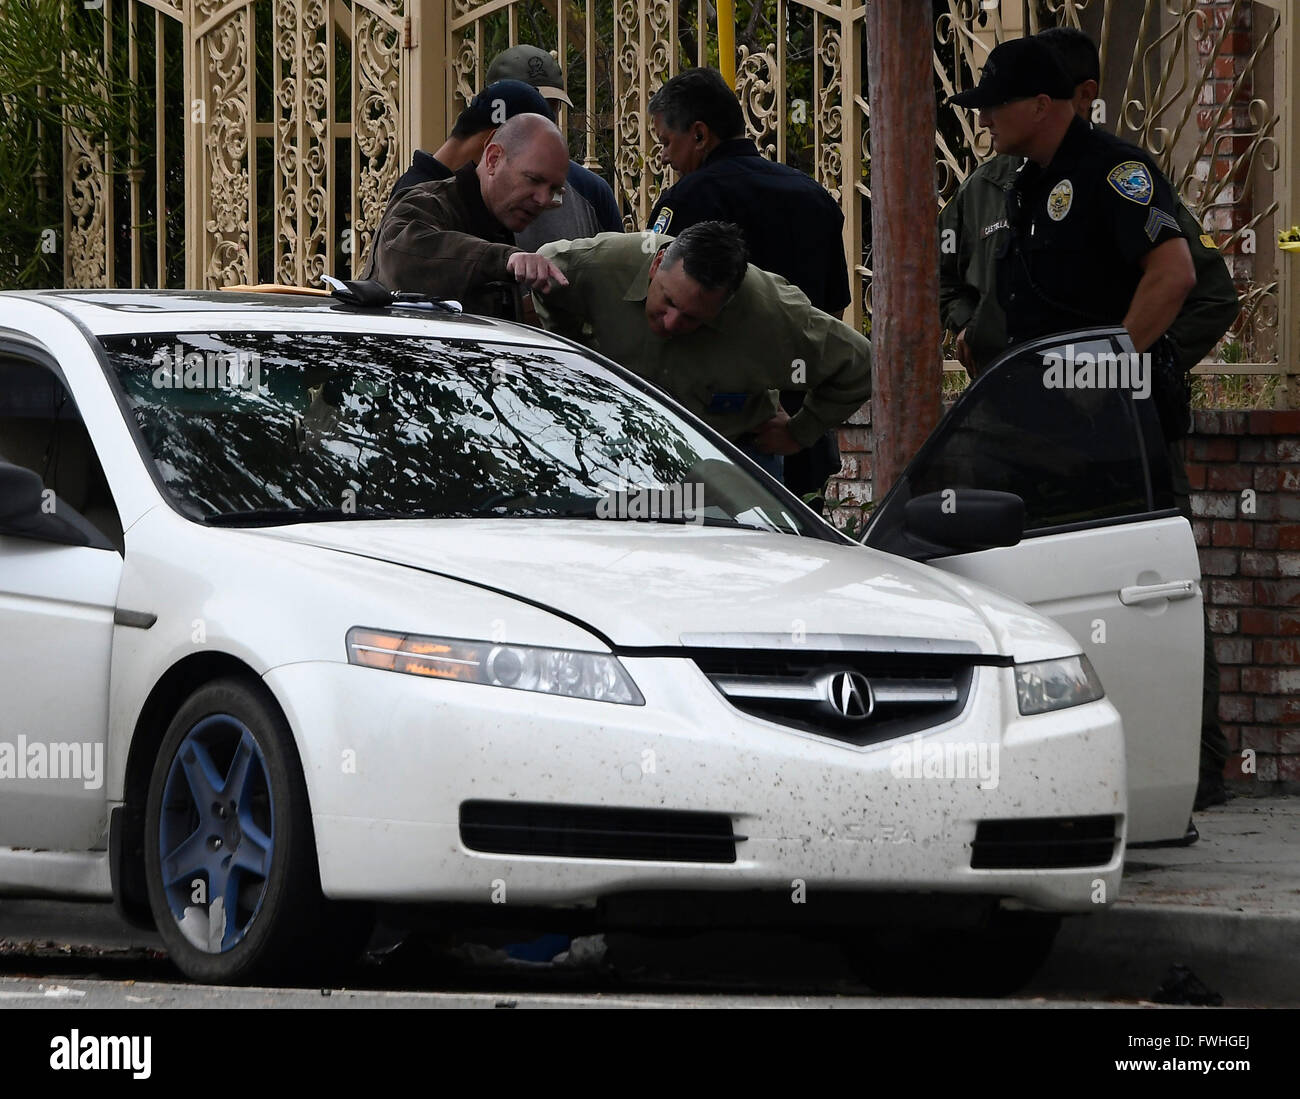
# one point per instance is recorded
(41, 430)
(273, 427)
(1074, 455)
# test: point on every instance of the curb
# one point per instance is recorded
(1248, 957)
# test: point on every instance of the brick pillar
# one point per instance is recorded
(851, 488)
(1233, 208)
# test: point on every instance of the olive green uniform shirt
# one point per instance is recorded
(973, 229)
(768, 337)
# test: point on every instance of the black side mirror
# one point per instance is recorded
(23, 513)
(21, 494)
(966, 519)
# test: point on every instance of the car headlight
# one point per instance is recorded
(1056, 684)
(596, 676)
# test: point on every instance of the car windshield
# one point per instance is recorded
(261, 428)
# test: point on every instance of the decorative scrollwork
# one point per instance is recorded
(287, 151)
(756, 86)
(376, 122)
(87, 255)
(464, 67)
(643, 36)
(1171, 54)
(828, 123)
(225, 143)
(314, 214)
(206, 9)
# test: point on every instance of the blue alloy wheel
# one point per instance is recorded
(216, 833)
(230, 852)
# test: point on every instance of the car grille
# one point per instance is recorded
(586, 832)
(1043, 843)
(910, 692)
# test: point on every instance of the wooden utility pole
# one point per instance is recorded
(907, 368)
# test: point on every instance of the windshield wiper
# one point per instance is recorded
(674, 520)
(275, 517)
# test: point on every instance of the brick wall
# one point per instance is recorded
(846, 493)
(1223, 119)
(1245, 474)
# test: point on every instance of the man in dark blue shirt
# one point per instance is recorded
(790, 222)
(792, 225)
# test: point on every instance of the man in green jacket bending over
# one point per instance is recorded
(692, 317)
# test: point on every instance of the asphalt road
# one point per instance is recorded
(56, 954)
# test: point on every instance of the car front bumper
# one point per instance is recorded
(389, 759)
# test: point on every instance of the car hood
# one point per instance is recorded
(649, 585)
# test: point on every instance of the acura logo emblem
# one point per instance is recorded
(850, 697)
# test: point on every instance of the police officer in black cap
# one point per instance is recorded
(1093, 234)
(1205, 315)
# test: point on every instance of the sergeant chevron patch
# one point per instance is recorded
(1156, 220)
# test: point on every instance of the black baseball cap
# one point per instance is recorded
(502, 100)
(1017, 69)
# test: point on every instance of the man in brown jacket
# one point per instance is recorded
(451, 237)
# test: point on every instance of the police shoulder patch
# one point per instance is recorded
(663, 220)
(1132, 180)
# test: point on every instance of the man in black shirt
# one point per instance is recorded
(791, 224)
(1094, 237)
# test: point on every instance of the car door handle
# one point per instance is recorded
(1148, 593)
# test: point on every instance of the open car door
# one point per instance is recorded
(1103, 551)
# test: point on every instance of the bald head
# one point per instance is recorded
(523, 170)
(516, 134)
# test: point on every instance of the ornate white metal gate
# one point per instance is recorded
(275, 129)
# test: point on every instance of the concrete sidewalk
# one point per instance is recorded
(1228, 908)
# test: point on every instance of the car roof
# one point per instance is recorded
(121, 312)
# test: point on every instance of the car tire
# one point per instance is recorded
(230, 854)
(996, 959)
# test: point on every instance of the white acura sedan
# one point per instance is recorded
(306, 609)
